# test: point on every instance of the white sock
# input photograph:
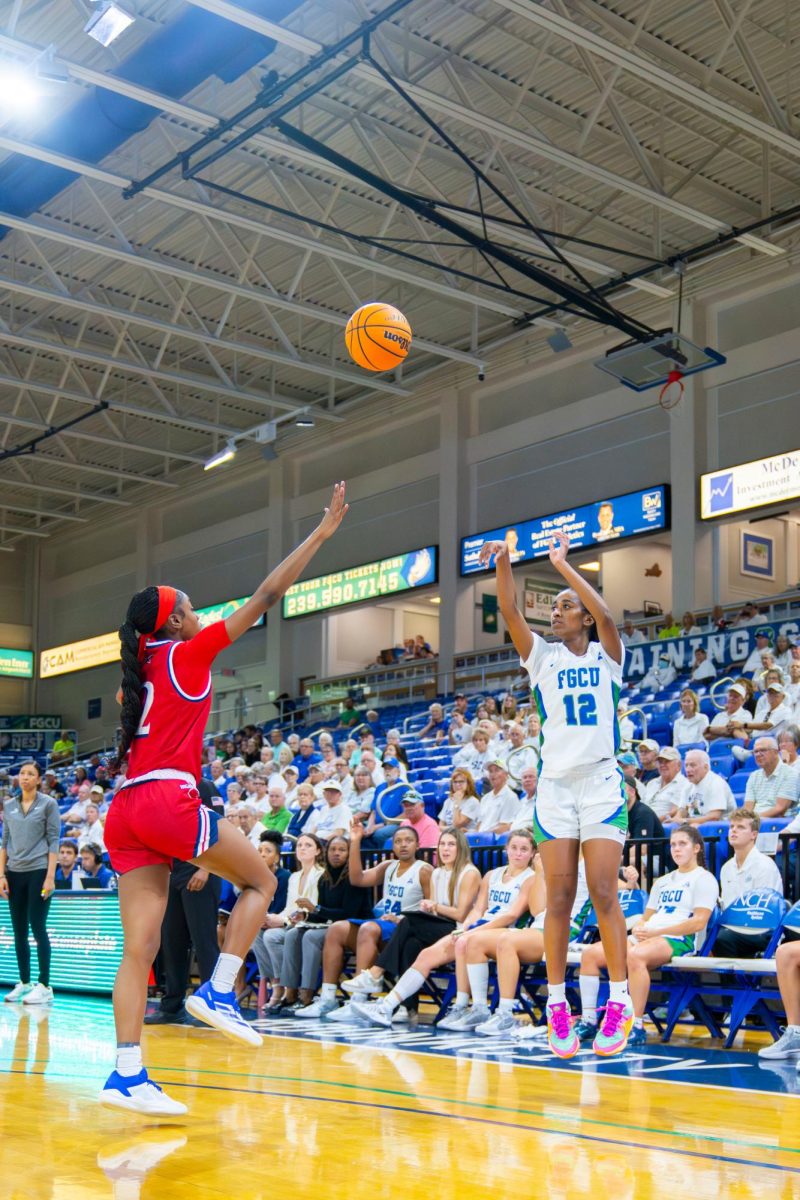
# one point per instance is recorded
(225, 972)
(406, 986)
(618, 991)
(462, 999)
(129, 1059)
(556, 993)
(638, 1023)
(478, 975)
(505, 1005)
(793, 1028)
(328, 991)
(590, 989)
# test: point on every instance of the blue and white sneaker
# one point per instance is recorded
(138, 1093)
(221, 1010)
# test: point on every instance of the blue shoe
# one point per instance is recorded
(221, 1010)
(637, 1036)
(138, 1093)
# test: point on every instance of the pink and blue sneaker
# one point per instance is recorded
(561, 1036)
(612, 1036)
(221, 1010)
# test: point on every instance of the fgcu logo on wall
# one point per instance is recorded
(730, 646)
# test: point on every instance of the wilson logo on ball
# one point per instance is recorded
(378, 337)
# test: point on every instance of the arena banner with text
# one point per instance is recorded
(99, 651)
(611, 519)
(750, 485)
(18, 664)
(29, 721)
(722, 648)
(370, 581)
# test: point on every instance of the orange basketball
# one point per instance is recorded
(378, 337)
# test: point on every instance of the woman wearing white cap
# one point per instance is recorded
(732, 716)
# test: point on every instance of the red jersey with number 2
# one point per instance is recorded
(176, 703)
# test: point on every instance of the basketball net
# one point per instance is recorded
(672, 391)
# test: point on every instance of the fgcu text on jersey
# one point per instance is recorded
(577, 697)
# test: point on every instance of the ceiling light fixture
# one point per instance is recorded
(590, 566)
(222, 456)
(434, 599)
(304, 421)
(108, 23)
(49, 70)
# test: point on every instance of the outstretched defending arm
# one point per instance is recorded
(281, 579)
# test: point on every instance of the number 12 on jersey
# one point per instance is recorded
(581, 709)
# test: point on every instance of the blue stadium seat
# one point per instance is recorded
(724, 765)
(480, 839)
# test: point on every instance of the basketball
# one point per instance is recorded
(378, 337)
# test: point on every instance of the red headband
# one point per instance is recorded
(167, 598)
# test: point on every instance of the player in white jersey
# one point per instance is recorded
(406, 883)
(503, 899)
(674, 921)
(576, 682)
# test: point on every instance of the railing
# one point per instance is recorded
(650, 856)
(18, 744)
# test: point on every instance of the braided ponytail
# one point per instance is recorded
(141, 618)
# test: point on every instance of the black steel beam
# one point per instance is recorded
(591, 309)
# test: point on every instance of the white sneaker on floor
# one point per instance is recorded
(39, 994)
(17, 992)
(501, 1024)
(375, 1011)
(138, 1093)
(363, 984)
(787, 1046)
(401, 1015)
(529, 1033)
(347, 1013)
(477, 1015)
(319, 1008)
(453, 1017)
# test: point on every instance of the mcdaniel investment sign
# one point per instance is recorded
(750, 485)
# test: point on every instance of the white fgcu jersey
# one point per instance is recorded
(577, 697)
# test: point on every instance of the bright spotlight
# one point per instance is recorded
(19, 92)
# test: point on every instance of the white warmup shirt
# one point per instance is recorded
(577, 698)
(756, 872)
(676, 896)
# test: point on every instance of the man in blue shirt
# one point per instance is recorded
(306, 756)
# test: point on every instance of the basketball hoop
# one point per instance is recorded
(672, 391)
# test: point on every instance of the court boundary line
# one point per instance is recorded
(650, 1078)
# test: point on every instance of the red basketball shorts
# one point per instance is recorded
(156, 821)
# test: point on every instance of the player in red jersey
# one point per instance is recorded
(157, 816)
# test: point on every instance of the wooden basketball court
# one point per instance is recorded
(339, 1111)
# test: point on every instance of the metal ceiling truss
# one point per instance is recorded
(188, 318)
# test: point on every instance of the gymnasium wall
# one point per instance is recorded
(541, 433)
